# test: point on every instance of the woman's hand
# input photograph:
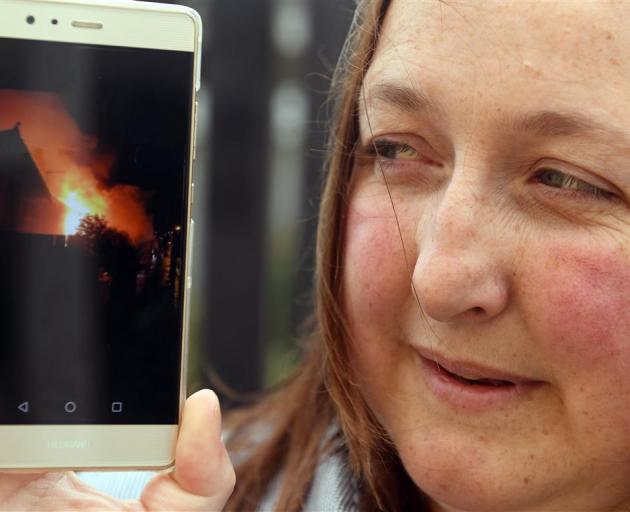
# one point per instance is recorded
(203, 477)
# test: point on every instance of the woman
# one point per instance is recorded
(471, 350)
(483, 360)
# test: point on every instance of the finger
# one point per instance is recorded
(10, 483)
(59, 491)
(203, 478)
(202, 464)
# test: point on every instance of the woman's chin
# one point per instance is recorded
(469, 492)
(460, 476)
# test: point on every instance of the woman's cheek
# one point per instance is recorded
(580, 303)
(375, 277)
(376, 296)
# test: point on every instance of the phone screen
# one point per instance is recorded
(94, 158)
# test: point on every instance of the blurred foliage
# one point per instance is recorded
(280, 350)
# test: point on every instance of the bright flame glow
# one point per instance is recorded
(77, 207)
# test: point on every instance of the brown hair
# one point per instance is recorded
(287, 433)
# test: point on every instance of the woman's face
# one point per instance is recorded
(503, 132)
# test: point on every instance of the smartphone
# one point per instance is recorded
(97, 122)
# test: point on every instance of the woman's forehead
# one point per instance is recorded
(506, 27)
(532, 52)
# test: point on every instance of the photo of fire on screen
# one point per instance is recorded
(93, 175)
(51, 188)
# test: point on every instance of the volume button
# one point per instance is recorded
(191, 248)
(194, 141)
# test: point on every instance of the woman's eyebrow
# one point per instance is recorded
(548, 123)
(400, 96)
(543, 123)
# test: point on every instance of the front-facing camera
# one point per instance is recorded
(30, 20)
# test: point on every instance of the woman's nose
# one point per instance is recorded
(460, 273)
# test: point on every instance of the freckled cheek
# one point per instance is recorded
(376, 294)
(580, 303)
(374, 271)
(376, 281)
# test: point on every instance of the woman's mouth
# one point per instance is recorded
(469, 386)
(475, 382)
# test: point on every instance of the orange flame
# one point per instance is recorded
(71, 167)
(78, 206)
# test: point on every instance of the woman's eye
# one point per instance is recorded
(557, 179)
(390, 150)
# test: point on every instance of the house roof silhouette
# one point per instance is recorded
(26, 204)
(19, 175)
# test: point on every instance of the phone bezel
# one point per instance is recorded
(133, 24)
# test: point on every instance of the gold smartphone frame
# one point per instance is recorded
(123, 23)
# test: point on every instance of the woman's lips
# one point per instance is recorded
(468, 370)
(470, 386)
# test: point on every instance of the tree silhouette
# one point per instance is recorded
(91, 230)
(112, 248)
